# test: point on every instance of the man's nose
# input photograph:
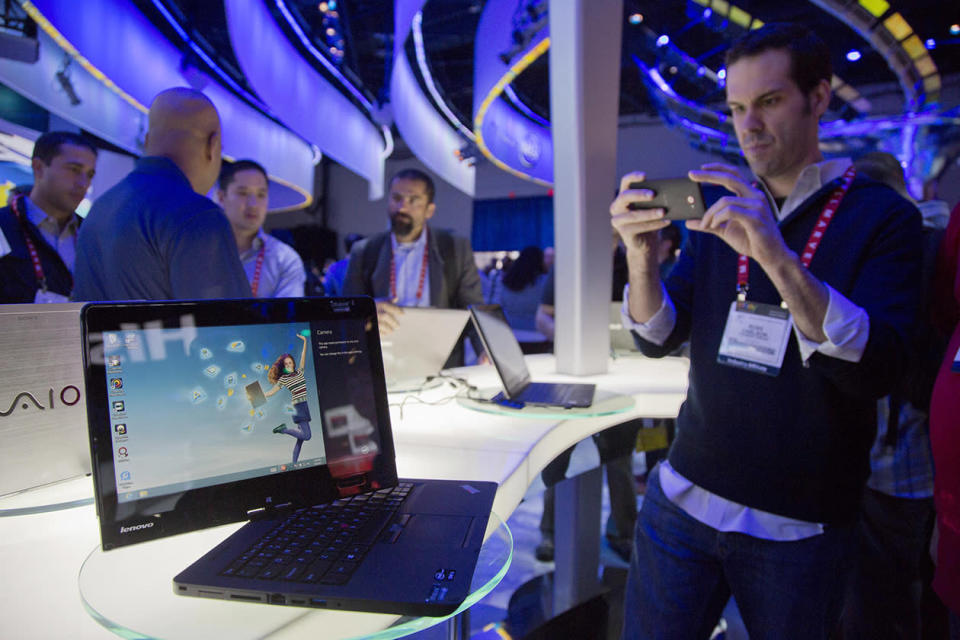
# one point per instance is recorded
(751, 120)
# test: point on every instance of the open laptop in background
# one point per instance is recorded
(420, 345)
(189, 429)
(43, 420)
(502, 347)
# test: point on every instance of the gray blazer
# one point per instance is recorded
(454, 280)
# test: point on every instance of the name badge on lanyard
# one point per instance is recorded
(756, 335)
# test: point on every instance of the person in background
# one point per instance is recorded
(412, 264)
(945, 424)
(333, 280)
(154, 235)
(885, 594)
(274, 269)
(519, 292)
(38, 232)
(761, 489)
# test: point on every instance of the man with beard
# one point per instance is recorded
(412, 265)
(797, 293)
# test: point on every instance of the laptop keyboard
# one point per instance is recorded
(326, 543)
(548, 393)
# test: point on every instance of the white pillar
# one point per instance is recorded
(584, 99)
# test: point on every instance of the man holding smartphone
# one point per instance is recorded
(797, 292)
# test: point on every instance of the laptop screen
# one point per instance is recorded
(236, 415)
(502, 347)
(197, 395)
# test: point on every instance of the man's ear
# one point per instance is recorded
(431, 209)
(820, 98)
(38, 166)
(219, 195)
(213, 145)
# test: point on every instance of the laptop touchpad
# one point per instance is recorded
(444, 529)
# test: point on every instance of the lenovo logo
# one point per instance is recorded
(136, 527)
(69, 396)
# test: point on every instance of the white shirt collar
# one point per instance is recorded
(44, 221)
(811, 179)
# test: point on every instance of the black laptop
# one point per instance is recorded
(272, 411)
(501, 345)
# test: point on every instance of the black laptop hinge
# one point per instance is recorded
(269, 511)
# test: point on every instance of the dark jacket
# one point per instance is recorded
(454, 280)
(18, 283)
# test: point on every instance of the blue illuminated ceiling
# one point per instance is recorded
(449, 26)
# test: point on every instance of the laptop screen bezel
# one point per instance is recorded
(512, 390)
(205, 507)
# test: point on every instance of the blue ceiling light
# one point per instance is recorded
(722, 74)
(955, 29)
(636, 18)
(663, 41)
(853, 55)
(930, 43)
(707, 13)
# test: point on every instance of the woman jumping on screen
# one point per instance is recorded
(285, 373)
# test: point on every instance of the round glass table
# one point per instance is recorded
(605, 403)
(130, 592)
(65, 494)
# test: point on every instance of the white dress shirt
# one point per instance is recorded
(64, 241)
(408, 262)
(282, 274)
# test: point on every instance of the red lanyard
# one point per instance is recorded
(813, 243)
(257, 269)
(423, 270)
(31, 248)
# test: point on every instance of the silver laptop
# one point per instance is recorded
(420, 345)
(43, 414)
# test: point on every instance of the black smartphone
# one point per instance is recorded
(680, 198)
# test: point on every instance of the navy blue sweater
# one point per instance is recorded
(796, 444)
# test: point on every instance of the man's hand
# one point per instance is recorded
(639, 230)
(744, 220)
(388, 316)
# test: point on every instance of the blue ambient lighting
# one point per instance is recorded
(853, 55)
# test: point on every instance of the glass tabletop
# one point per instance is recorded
(130, 592)
(605, 403)
(64, 494)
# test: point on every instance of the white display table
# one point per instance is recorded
(42, 552)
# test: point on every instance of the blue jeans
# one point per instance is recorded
(683, 572)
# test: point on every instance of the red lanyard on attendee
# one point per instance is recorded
(423, 270)
(813, 243)
(257, 269)
(31, 248)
